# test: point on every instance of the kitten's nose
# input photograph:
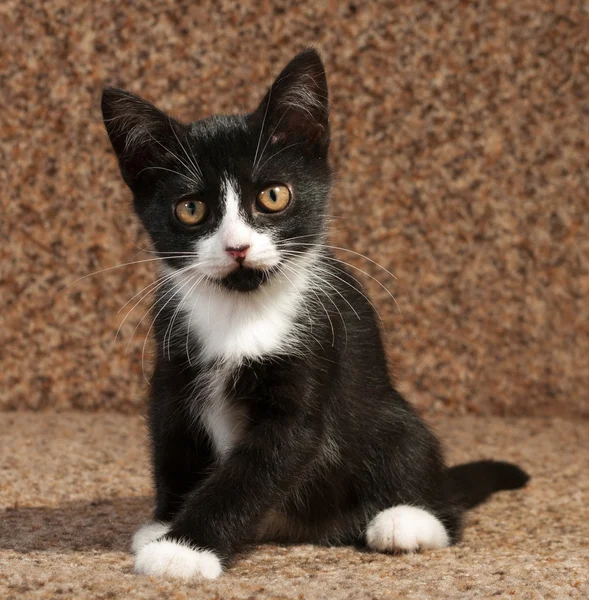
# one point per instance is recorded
(237, 254)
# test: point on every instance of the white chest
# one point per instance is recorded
(232, 327)
(223, 421)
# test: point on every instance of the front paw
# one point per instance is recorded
(175, 559)
(407, 529)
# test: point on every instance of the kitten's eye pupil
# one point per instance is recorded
(273, 198)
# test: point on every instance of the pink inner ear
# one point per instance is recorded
(313, 132)
(317, 133)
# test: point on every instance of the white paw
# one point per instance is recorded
(405, 528)
(177, 560)
(148, 533)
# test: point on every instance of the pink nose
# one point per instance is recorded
(238, 254)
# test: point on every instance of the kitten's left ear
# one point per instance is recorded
(296, 106)
(140, 133)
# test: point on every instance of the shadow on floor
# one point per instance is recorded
(99, 524)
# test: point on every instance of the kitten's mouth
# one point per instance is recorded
(245, 279)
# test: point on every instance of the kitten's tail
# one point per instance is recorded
(472, 483)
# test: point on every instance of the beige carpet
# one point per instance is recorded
(74, 486)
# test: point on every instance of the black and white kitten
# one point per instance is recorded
(272, 414)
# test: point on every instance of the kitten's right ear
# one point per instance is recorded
(296, 106)
(138, 132)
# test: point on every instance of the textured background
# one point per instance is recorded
(461, 150)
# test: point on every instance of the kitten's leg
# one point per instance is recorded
(224, 512)
(180, 463)
(179, 467)
(180, 460)
(174, 478)
(406, 528)
(181, 456)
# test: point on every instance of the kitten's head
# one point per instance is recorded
(232, 197)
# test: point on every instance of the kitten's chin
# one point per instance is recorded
(244, 279)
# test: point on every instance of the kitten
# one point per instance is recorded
(272, 415)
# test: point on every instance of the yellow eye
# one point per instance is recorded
(274, 198)
(190, 212)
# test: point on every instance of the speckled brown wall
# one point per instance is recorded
(461, 150)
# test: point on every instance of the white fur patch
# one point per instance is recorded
(148, 533)
(177, 560)
(233, 326)
(224, 423)
(405, 528)
(234, 232)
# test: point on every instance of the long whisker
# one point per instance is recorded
(188, 322)
(333, 302)
(169, 253)
(351, 252)
(323, 280)
(178, 308)
(298, 237)
(328, 318)
(187, 167)
(164, 253)
(256, 169)
(277, 153)
(135, 262)
(172, 291)
(150, 245)
(152, 324)
(261, 131)
(359, 291)
(157, 284)
(197, 169)
(304, 306)
(361, 271)
(330, 273)
(298, 292)
(191, 179)
(162, 280)
(323, 305)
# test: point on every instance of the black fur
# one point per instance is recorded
(474, 482)
(329, 442)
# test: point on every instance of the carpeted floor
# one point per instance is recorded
(74, 486)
